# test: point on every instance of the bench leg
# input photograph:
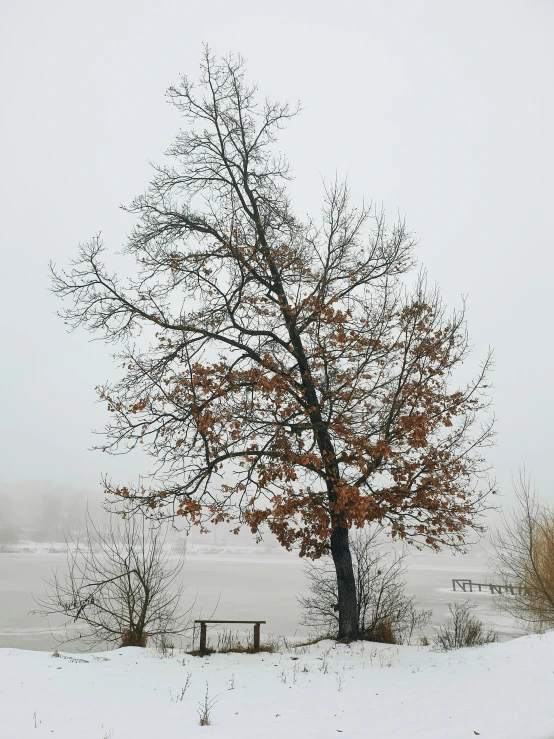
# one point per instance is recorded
(256, 637)
(202, 637)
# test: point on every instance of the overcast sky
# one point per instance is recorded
(442, 111)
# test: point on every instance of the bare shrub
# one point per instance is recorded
(383, 632)
(165, 646)
(524, 558)
(385, 613)
(462, 629)
(120, 586)
(205, 708)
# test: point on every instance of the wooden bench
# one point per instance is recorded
(204, 621)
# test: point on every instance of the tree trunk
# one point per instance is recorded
(340, 547)
(346, 584)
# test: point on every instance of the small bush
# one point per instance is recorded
(382, 632)
(165, 646)
(462, 629)
(130, 638)
(385, 613)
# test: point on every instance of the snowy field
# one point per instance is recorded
(501, 691)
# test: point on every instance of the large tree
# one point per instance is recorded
(285, 375)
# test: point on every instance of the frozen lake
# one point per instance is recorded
(236, 586)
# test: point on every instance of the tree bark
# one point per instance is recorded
(340, 546)
(346, 584)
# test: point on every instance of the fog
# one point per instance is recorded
(441, 112)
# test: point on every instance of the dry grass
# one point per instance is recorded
(524, 557)
(130, 638)
(201, 652)
(540, 573)
(229, 642)
(248, 649)
(382, 632)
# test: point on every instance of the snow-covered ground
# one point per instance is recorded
(325, 690)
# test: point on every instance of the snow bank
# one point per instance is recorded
(372, 691)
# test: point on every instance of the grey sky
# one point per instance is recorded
(442, 111)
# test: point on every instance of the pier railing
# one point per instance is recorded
(468, 586)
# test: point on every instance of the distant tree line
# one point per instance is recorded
(39, 512)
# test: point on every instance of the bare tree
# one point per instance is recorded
(524, 558)
(121, 588)
(385, 612)
(285, 375)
